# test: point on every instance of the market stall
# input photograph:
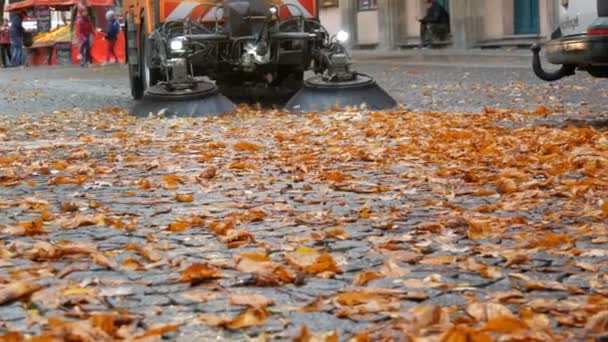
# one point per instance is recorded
(59, 45)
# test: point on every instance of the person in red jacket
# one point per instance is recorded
(86, 29)
(5, 45)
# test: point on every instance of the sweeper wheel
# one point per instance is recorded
(319, 95)
(200, 99)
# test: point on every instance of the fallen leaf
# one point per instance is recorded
(252, 300)
(252, 317)
(505, 324)
(197, 273)
(465, 334)
(598, 323)
(178, 226)
(245, 146)
(170, 182)
(479, 229)
(365, 277)
(310, 261)
(391, 269)
(484, 312)
(17, 290)
(158, 331)
(184, 197)
(207, 174)
(506, 185)
(438, 260)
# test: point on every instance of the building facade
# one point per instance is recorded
(389, 24)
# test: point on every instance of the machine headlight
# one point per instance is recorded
(342, 36)
(274, 10)
(177, 44)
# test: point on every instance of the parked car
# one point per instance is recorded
(580, 42)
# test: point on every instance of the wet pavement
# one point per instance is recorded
(420, 222)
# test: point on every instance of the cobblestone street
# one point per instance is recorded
(477, 211)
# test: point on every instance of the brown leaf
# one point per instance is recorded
(391, 269)
(158, 331)
(598, 323)
(252, 317)
(184, 197)
(132, 265)
(365, 277)
(178, 226)
(242, 166)
(26, 228)
(69, 206)
(170, 182)
(80, 220)
(479, 229)
(484, 312)
(505, 324)
(306, 336)
(252, 300)
(438, 260)
(490, 272)
(245, 146)
(506, 185)
(310, 261)
(197, 273)
(266, 271)
(207, 174)
(465, 334)
(16, 291)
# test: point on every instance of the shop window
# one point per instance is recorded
(329, 3)
(368, 5)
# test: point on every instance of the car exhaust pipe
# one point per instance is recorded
(565, 70)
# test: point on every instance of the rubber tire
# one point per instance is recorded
(155, 74)
(135, 81)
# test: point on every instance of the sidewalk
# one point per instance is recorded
(448, 56)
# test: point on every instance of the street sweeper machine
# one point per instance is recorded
(189, 57)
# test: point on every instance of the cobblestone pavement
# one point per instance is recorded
(266, 225)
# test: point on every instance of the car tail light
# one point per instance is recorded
(598, 31)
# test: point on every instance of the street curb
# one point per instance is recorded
(469, 53)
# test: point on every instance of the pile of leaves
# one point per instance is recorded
(320, 227)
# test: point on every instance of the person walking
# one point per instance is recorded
(16, 38)
(85, 31)
(111, 37)
(5, 44)
(435, 25)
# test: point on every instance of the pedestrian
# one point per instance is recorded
(111, 37)
(81, 16)
(5, 44)
(16, 38)
(435, 26)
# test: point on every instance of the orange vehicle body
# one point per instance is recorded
(138, 10)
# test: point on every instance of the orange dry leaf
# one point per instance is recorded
(335, 176)
(62, 180)
(552, 240)
(178, 226)
(598, 323)
(505, 324)
(242, 166)
(252, 317)
(17, 290)
(266, 271)
(479, 229)
(306, 336)
(247, 146)
(465, 334)
(439, 260)
(506, 185)
(490, 272)
(484, 312)
(365, 277)
(171, 181)
(107, 323)
(207, 173)
(47, 216)
(310, 261)
(132, 264)
(80, 220)
(392, 269)
(32, 228)
(158, 331)
(252, 300)
(197, 273)
(184, 197)
(145, 184)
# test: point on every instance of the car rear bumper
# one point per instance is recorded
(578, 50)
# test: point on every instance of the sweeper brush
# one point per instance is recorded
(198, 55)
